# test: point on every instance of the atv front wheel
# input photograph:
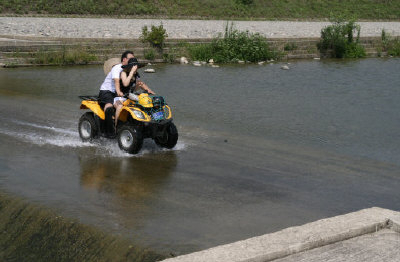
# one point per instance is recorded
(130, 139)
(87, 127)
(169, 137)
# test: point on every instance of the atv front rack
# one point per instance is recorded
(91, 98)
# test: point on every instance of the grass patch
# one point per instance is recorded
(217, 9)
(31, 233)
(234, 46)
(65, 56)
(390, 44)
(290, 47)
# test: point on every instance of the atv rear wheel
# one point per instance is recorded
(169, 137)
(87, 127)
(130, 139)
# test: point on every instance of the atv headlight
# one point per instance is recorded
(138, 114)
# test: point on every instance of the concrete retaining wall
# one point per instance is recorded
(297, 239)
(17, 50)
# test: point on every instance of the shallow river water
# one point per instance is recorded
(260, 149)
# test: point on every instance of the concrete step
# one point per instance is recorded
(301, 56)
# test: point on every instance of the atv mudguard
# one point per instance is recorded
(128, 110)
(94, 106)
(129, 107)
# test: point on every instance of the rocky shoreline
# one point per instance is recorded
(177, 29)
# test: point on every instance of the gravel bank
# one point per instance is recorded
(131, 28)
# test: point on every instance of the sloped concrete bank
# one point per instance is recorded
(100, 38)
(310, 236)
(32, 233)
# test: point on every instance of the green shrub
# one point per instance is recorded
(234, 46)
(169, 58)
(394, 49)
(354, 50)
(149, 54)
(156, 36)
(338, 40)
(244, 2)
(201, 52)
(390, 45)
(290, 47)
(385, 38)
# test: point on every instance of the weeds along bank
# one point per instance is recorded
(32, 233)
(341, 39)
(210, 9)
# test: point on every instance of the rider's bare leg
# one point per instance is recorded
(118, 107)
(107, 106)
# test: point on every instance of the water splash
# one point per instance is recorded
(43, 135)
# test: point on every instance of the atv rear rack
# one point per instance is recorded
(91, 98)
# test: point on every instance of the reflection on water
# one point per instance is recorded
(260, 149)
(127, 178)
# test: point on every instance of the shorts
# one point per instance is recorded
(106, 97)
(119, 98)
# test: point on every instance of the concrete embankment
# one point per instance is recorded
(21, 38)
(32, 233)
(366, 235)
(19, 51)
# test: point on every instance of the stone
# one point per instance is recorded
(149, 70)
(183, 60)
(285, 67)
(196, 63)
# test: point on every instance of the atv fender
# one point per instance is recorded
(94, 106)
(126, 110)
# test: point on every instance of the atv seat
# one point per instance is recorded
(91, 98)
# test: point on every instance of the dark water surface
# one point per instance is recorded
(260, 149)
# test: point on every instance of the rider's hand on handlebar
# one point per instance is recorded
(120, 93)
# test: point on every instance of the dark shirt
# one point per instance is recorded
(132, 84)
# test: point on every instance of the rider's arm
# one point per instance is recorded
(145, 87)
(117, 87)
(127, 79)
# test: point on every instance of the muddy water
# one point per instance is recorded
(260, 149)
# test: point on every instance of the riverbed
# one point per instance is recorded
(260, 149)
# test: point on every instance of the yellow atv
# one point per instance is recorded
(148, 117)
